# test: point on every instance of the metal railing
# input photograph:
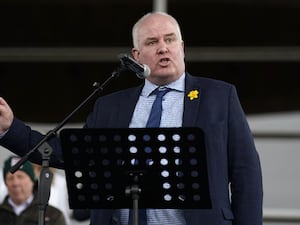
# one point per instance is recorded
(279, 214)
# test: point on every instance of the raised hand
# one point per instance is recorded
(6, 116)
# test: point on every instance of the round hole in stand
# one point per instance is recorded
(131, 138)
(167, 197)
(176, 137)
(78, 174)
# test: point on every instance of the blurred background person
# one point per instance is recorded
(20, 206)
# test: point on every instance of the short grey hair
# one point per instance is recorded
(136, 26)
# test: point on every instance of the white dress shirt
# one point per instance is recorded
(172, 115)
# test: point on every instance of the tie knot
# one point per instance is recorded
(160, 92)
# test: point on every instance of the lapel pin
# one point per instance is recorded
(193, 94)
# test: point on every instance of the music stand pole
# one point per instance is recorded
(44, 182)
(134, 190)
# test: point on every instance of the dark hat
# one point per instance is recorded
(26, 167)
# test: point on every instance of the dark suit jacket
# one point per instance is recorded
(232, 160)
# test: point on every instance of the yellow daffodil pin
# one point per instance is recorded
(193, 94)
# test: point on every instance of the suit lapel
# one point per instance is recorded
(127, 106)
(191, 106)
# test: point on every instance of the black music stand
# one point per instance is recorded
(161, 167)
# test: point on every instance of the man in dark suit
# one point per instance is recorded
(234, 170)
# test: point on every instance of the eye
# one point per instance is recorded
(169, 40)
(151, 43)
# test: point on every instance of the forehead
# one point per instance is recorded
(17, 174)
(157, 25)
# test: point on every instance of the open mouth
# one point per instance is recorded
(164, 61)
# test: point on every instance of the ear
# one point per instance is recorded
(135, 53)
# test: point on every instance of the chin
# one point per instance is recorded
(162, 79)
(165, 72)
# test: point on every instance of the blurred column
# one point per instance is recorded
(160, 5)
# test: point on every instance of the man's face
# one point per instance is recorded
(160, 47)
(19, 186)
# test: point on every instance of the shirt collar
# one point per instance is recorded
(19, 208)
(177, 85)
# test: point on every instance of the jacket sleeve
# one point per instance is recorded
(20, 139)
(244, 167)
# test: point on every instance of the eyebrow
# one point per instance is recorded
(165, 35)
(170, 34)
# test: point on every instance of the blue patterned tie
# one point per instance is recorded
(155, 114)
(153, 121)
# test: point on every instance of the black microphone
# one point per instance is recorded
(141, 70)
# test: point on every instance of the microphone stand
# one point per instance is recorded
(46, 150)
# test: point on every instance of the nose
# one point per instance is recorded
(162, 48)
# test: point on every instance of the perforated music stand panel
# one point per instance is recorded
(170, 164)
